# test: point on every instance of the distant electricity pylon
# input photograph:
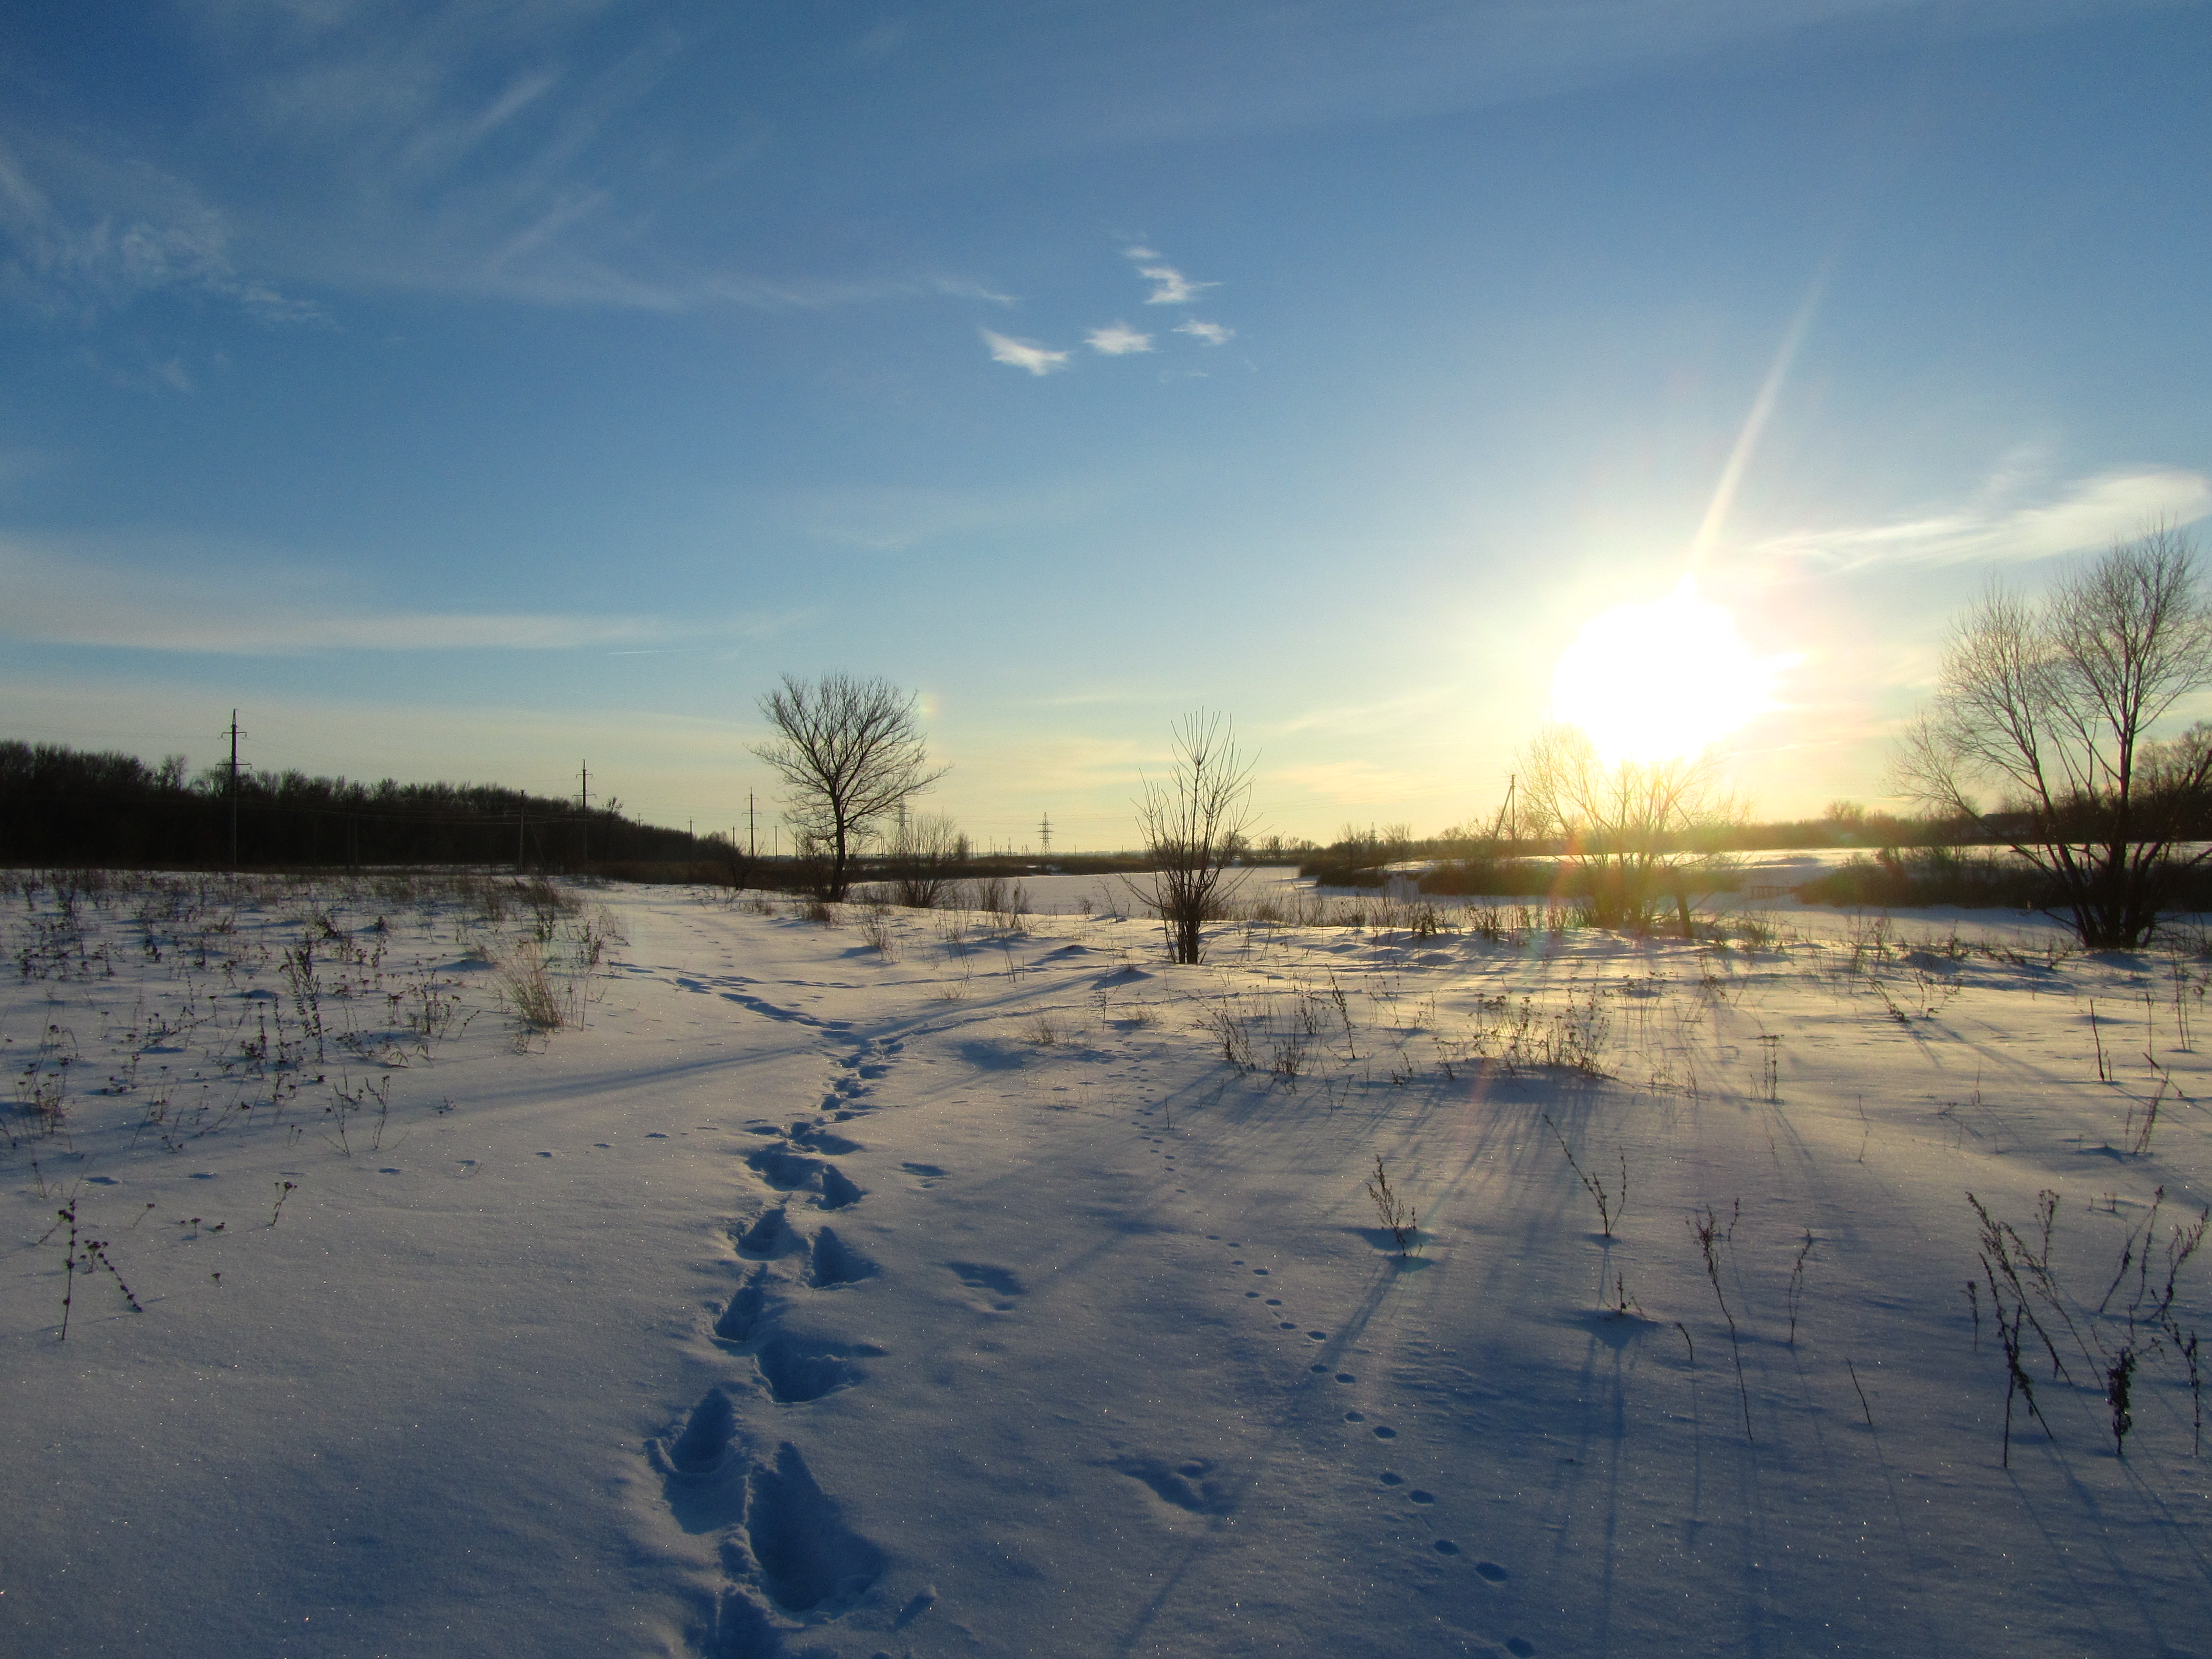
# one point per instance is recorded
(1044, 836)
(231, 789)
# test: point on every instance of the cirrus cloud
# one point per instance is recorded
(2092, 511)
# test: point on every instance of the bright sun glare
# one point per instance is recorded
(1660, 679)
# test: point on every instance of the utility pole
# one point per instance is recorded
(234, 791)
(584, 805)
(752, 841)
(522, 832)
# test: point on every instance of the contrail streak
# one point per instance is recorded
(1754, 424)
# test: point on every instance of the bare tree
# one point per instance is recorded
(850, 752)
(1634, 826)
(1193, 826)
(2051, 705)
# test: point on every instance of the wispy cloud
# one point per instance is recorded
(2090, 513)
(1212, 333)
(1118, 340)
(1348, 782)
(1141, 251)
(102, 234)
(1022, 354)
(889, 519)
(1365, 718)
(528, 150)
(1171, 287)
(185, 598)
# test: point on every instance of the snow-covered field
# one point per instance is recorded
(1017, 1293)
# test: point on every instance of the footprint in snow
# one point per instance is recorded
(707, 1443)
(982, 1276)
(835, 1262)
(748, 1309)
(810, 1561)
(783, 1169)
(828, 1142)
(838, 1189)
(794, 1564)
(769, 1235)
(800, 1369)
(1187, 1485)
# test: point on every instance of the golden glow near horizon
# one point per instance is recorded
(1660, 679)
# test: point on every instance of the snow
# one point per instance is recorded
(967, 1299)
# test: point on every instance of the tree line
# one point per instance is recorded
(60, 805)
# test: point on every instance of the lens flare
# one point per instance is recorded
(1661, 679)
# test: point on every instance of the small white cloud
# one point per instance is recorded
(1022, 354)
(1174, 287)
(1212, 333)
(1140, 253)
(1118, 340)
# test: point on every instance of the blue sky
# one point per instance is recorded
(468, 391)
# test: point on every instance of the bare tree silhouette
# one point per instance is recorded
(850, 752)
(2052, 704)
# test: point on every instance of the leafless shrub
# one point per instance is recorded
(1610, 1204)
(923, 852)
(1399, 1218)
(1194, 827)
(1706, 1227)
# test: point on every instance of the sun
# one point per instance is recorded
(1661, 679)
